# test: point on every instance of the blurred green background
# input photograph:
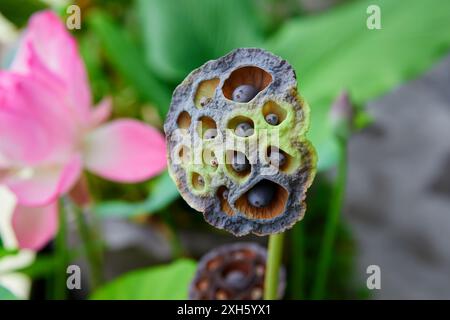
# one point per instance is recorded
(138, 51)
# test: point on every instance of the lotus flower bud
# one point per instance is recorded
(342, 113)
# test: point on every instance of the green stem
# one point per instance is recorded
(274, 256)
(174, 239)
(61, 256)
(331, 225)
(91, 245)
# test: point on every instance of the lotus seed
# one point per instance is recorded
(244, 129)
(225, 194)
(272, 119)
(261, 195)
(210, 134)
(240, 163)
(236, 279)
(278, 159)
(244, 93)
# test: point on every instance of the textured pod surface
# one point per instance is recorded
(233, 271)
(201, 163)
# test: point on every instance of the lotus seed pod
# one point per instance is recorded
(278, 157)
(233, 271)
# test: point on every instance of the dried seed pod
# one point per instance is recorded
(274, 117)
(233, 271)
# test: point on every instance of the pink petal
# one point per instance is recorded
(33, 124)
(22, 142)
(47, 43)
(100, 113)
(70, 175)
(45, 184)
(125, 151)
(35, 226)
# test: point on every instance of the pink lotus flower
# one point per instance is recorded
(49, 131)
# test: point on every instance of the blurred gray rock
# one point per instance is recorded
(398, 199)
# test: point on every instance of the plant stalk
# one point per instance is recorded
(92, 249)
(331, 225)
(91, 244)
(61, 256)
(275, 253)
